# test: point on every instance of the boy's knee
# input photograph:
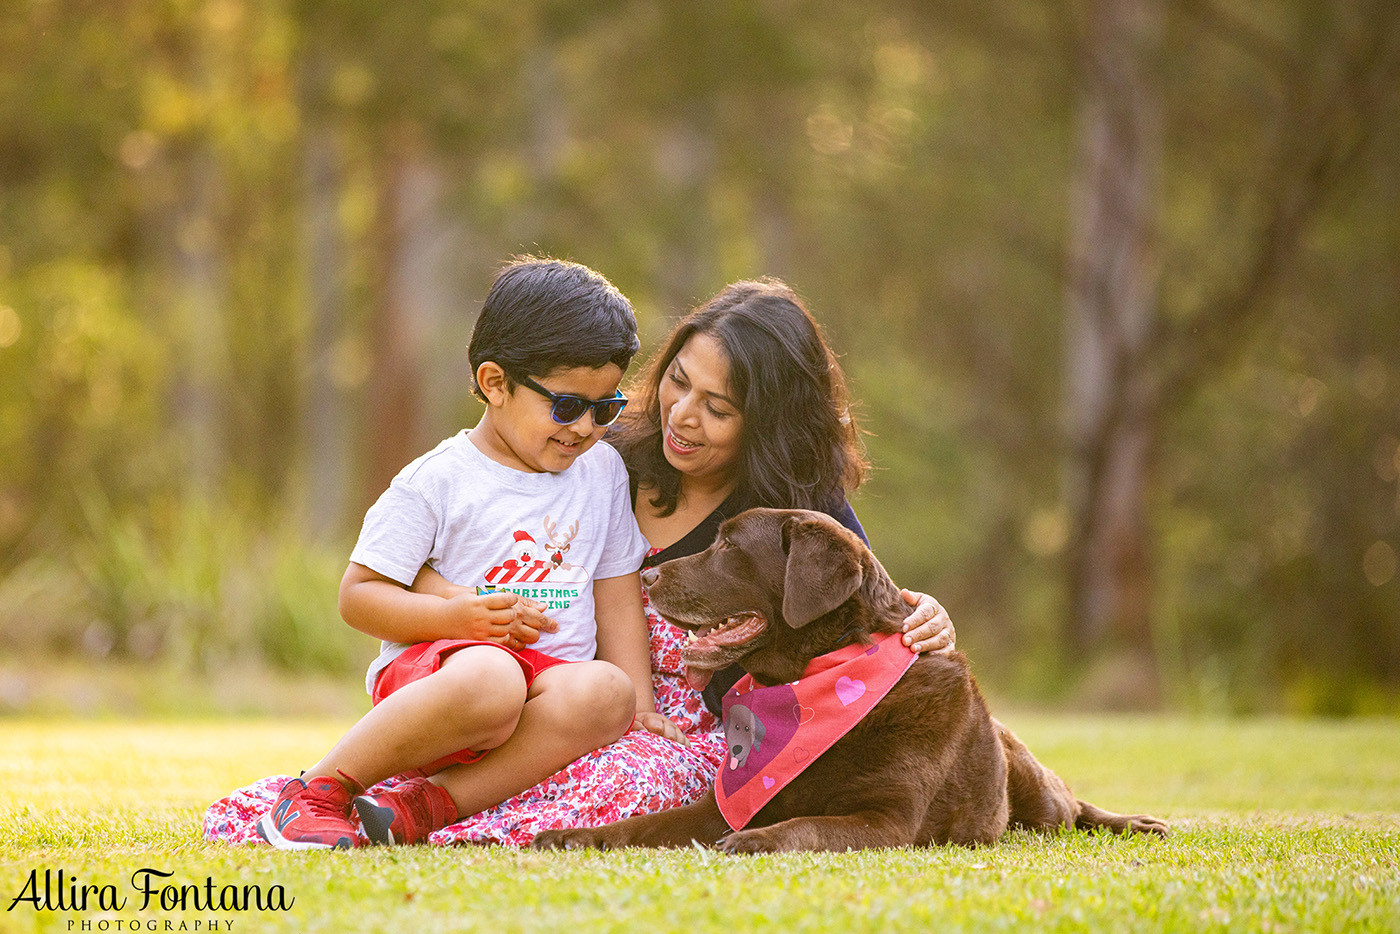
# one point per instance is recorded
(492, 692)
(615, 697)
(607, 686)
(605, 692)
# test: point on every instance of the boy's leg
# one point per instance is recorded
(474, 701)
(571, 711)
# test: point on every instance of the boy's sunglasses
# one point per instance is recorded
(566, 409)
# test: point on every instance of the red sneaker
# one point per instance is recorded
(406, 813)
(310, 815)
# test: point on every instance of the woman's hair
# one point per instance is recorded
(800, 447)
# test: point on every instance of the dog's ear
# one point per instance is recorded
(823, 570)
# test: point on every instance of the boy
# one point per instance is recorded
(455, 679)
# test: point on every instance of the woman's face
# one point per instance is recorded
(702, 426)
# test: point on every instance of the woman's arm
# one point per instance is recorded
(623, 640)
(524, 630)
(431, 582)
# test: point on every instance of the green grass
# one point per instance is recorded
(1280, 826)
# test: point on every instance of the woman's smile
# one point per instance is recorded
(679, 445)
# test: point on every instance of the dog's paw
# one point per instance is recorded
(581, 838)
(1145, 823)
(745, 841)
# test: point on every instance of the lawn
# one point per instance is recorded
(1281, 825)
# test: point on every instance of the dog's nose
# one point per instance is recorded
(649, 576)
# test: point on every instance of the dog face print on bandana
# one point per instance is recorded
(772, 734)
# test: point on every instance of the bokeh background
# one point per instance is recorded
(1116, 283)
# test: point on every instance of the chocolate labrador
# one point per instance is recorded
(926, 764)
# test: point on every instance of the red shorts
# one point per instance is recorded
(419, 661)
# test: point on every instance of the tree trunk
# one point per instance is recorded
(200, 280)
(411, 302)
(687, 158)
(325, 418)
(1111, 301)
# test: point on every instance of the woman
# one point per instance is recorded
(745, 406)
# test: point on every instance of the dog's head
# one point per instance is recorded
(765, 594)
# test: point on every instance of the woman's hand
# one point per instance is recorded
(653, 722)
(928, 628)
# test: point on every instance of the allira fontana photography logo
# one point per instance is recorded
(148, 890)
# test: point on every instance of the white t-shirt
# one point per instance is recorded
(478, 523)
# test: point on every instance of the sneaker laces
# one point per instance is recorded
(329, 800)
(356, 786)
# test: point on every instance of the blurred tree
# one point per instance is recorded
(399, 327)
(1333, 93)
(1111, 311)
(330, 361)
(1279, 601)
(232, 231)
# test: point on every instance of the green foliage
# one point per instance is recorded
(79, 390)
(168, 339)
(193, 589)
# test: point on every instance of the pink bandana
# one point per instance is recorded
(772, 734)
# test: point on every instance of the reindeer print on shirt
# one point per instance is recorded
(558, 545)
(540, 571)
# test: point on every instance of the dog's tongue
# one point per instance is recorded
(697, 678)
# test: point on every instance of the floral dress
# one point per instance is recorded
(641, 773)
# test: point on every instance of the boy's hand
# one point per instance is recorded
(653, 722)
(489, 617)
(529, 622)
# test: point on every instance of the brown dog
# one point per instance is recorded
(928, 764)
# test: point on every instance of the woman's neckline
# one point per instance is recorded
(699, 536)
(692, 510)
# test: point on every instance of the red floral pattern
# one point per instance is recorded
(639, 774)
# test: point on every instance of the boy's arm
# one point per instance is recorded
(530, 620)
(623, 640)
(384, 608)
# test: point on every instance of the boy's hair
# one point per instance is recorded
(545, 313)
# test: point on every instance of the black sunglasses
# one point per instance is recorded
(566, 408)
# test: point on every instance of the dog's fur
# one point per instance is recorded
(927, 765)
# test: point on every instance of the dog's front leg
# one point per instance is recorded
(700, 822)
(830, 834)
